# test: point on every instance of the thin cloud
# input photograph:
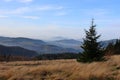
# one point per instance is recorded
(30, 17)
(22, 1)
(25, 1)
(95, 12)
(48, 7)
(61, 14)
(7, 0)
(1, 16)
(20, 10)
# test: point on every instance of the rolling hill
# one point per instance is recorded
(48, 47)
(16, 51)
(39, 46)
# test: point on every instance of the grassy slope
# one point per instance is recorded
(61, 70)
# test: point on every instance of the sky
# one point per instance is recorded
(47, 19)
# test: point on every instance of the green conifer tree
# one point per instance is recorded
(92, 49)
(113, 48)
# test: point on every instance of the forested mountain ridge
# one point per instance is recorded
(16, 51)
(48, 47)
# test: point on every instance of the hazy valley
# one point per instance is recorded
(47, 47)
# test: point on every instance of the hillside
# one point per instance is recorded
(16, 51)
(61, 70)
(34, 44)
(47, 47)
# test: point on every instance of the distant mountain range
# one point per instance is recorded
(39, 46)
(106, 42)
(16, 51)
(68, 43)
(47, 47)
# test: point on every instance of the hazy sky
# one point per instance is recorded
(45, 19)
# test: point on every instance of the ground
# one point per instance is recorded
(61, 70)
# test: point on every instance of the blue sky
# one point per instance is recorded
(45, 19)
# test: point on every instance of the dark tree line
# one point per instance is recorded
(9, 58)
(4, 57)
(113, 48)
(57, 56)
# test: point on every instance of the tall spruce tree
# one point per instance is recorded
(92, 49)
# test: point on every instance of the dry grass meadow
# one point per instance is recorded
(61, 70)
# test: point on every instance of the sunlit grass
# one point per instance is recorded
(61, 70)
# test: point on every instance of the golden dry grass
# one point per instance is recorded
(61, 70)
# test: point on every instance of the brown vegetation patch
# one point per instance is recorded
(61, 70)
